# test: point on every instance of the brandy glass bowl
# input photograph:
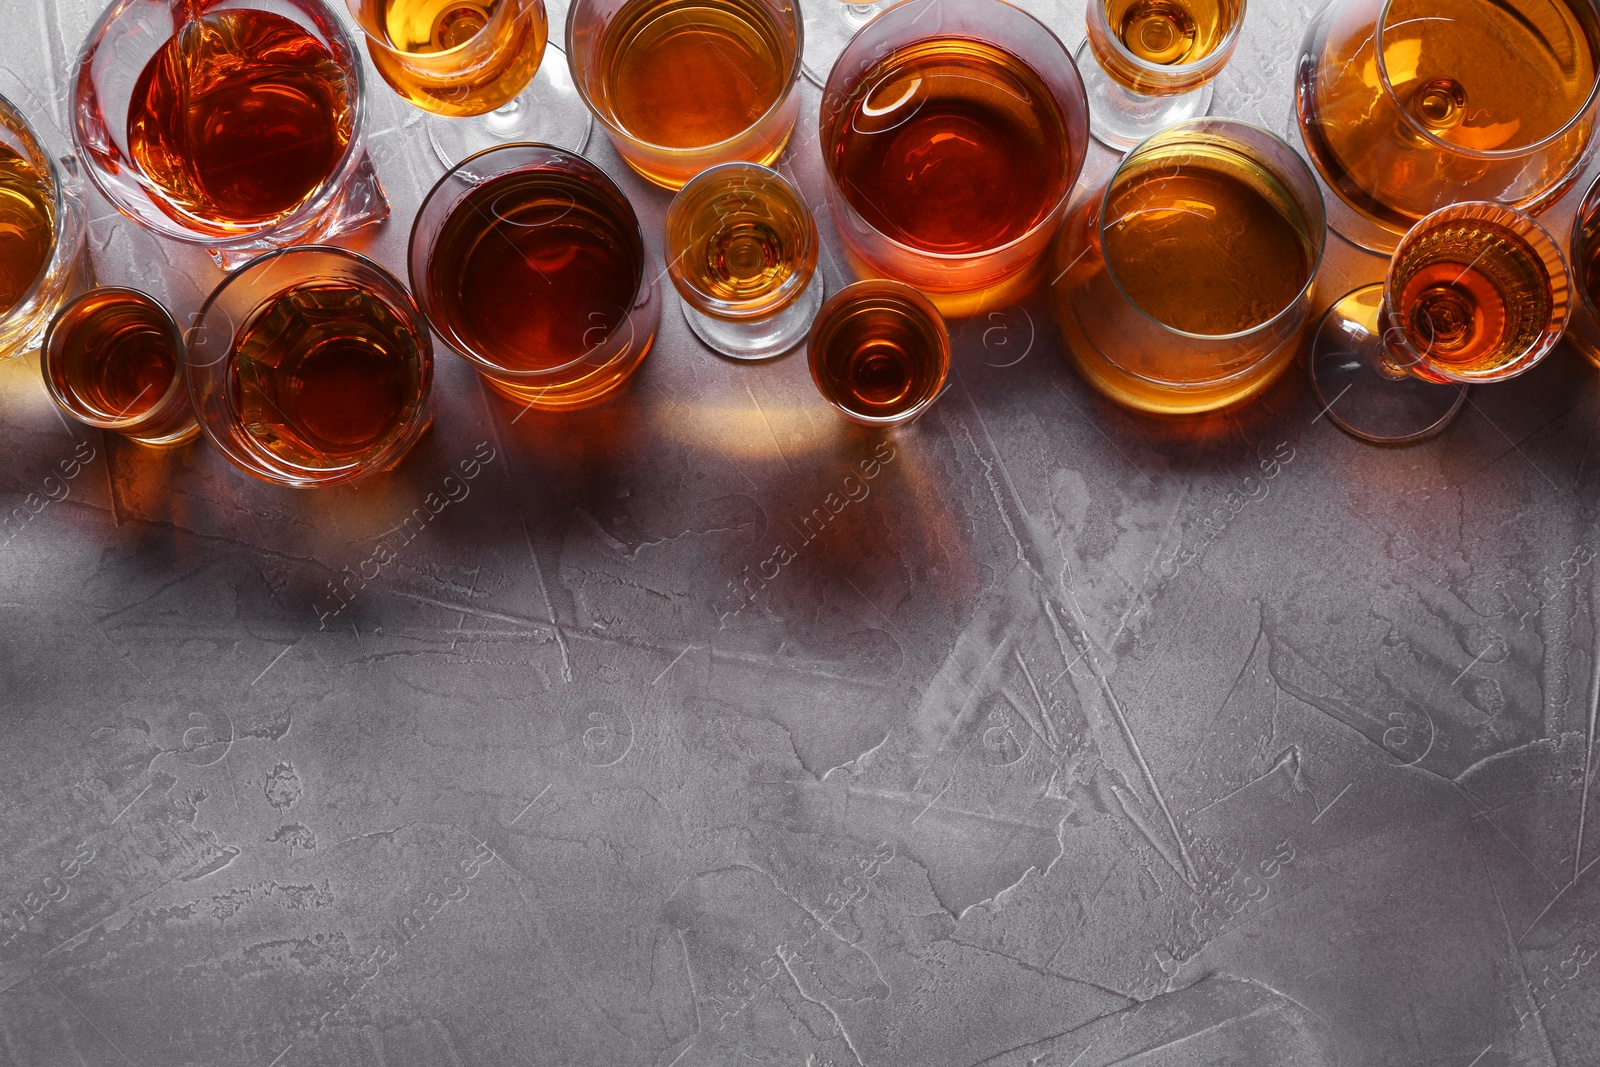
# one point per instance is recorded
(310, 366)
(252, 112)
(1583, 328)
(1406, 106)
(51, 185)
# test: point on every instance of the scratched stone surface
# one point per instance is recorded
(1068, 738)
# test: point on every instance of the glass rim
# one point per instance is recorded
(1311, 274)
(792, 287)
(1552, 332)
(1050, 218)
(313, 205)
(916, 298)
(1168, 71)
(419, 293)
(305, 477)
(1578, 246)
(58, 204)
(179, 376)
(791, 81)
(1593, 26)
(372, 38)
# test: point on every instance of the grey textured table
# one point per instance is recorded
(1077, 739)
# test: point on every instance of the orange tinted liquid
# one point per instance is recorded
(457, 57)
(535, 271)
(119, 355)
(27, 226)
(877, 355)
(952, 147)
(239, 118)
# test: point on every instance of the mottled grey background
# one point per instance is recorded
(1081, 740)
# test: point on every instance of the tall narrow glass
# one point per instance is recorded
(1183, 285)
(235, 127)
(1405, 106)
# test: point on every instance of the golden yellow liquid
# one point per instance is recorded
(736, 242)
(692, 73)
(1170, 32)
(1206, 243)
(27, 227)
(1477, 76)
(457, 57)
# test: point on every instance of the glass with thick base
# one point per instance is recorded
(530, 263)
(681, 85)
(1153, 63)
(478, 69)
(237, 127)
(742, 252)
(1406, 106)
(1184, 284)
(311, 366)
(43, 224)
(1475, 293)
(113, 359)
(879, 353)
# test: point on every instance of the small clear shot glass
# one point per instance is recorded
(879, 352)
(41, 271)
(742, 252)
(1144, 361)
(113, 359)
(311, 366)
(110, 71)
(530, 263)
(656, 119)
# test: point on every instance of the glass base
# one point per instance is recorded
(1343, 219)
(1120, 119)
(1358, 392)
(359, 202)
(829, 25)
(759, 338)
(549, 111)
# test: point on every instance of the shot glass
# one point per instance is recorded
(113, 358)
(311, 366)
(43, 224)
(1183, 283)
(237, 127)
(742, 252)
(879, 352)
(530, 263)
(680, 85)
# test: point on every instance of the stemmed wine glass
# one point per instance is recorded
(1476, 292)
(476, 67)
(1405, 106)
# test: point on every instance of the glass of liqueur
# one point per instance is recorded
(1153, 63)
(476, 67)
(742, 252)
(879, 352)
(113, 358)
(235, 128)
(952, 132)
(680, 85)
(530, 262)
(1583, 328)
(1476, 292)
(1185, 284)
(311, 366)
(1405, 106)
(43, 224)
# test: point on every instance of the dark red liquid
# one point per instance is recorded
(239, 117)
(534, 271)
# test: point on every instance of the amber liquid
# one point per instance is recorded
(1470, 296)
(877, 355)
(115, 354)
(536, 270)
(1170, 32)
(952, 146)
(1480, 76)
(326, 375)
(692, 73)
(27, 227)
(1205, 241)
(738, 244)
(239, 119)
(472, 55)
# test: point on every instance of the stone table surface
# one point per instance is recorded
(1076, 739)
